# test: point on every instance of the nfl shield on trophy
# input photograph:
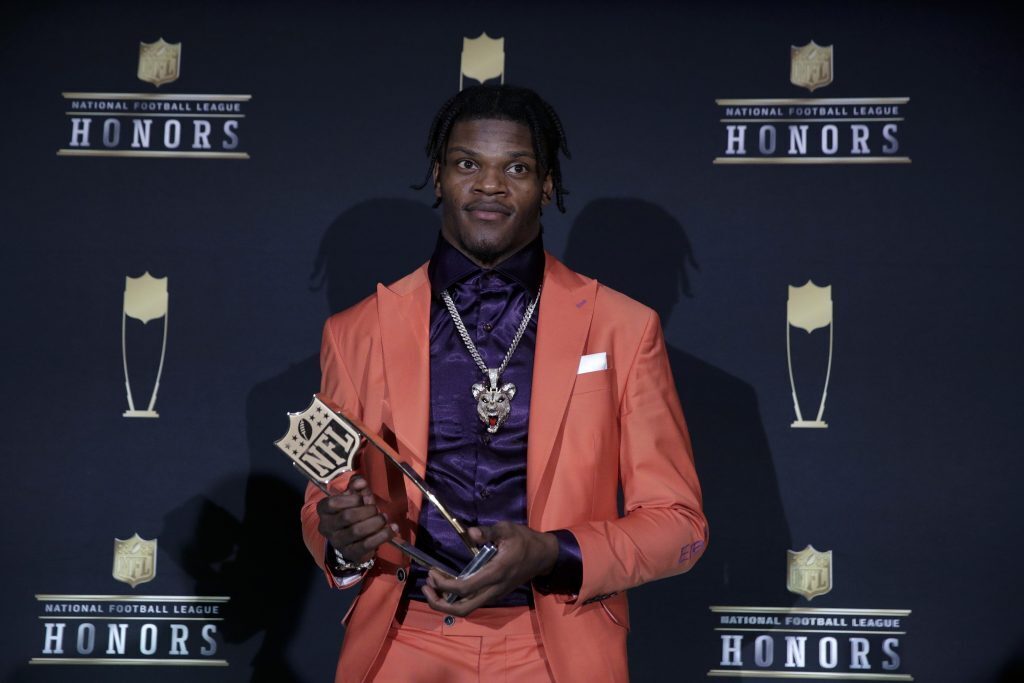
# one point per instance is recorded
(324, 444)
(145, 300)
(809, 308)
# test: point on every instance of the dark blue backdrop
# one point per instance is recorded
(913, 485)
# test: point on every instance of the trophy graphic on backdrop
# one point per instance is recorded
(809, 308)
(323, 444)
(145, 299)
(483, 58)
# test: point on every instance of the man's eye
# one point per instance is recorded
(518, 169)
(465, 164)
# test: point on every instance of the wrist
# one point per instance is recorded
(338, 563)
(566, 576)
(548, 553)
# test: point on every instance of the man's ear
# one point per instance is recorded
(437, 179)
(546, 188)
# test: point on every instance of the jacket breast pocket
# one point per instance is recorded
(593, 381)
(591, 433)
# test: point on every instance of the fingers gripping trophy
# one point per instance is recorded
(324, 444)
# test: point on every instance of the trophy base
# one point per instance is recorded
(809, 424)
(140, 413)
(487, 552)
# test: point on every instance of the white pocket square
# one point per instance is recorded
(592, 362)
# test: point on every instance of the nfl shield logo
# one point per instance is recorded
(483, 58)
(159, 62)
(145, 297)
(810, 66)
(134, 560)
(809, 306)
(321, 442)
(809, 572)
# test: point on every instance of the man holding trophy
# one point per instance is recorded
(511, 397)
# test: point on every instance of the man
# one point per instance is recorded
(525, 394)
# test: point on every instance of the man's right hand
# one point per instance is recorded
(351, 522)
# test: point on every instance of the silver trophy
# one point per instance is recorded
(322, 443)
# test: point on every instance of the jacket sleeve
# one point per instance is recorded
(664, 530)
(336, 386)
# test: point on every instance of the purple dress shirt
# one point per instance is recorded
(481, 477)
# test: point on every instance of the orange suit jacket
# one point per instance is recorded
(587, 434)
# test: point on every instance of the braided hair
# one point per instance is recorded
(507, 103)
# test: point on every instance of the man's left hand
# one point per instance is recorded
(522, 555)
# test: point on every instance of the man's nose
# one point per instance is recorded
(490, 180)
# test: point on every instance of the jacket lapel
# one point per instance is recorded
(566, 310)
(404, 313)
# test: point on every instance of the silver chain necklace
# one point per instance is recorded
(493, 402)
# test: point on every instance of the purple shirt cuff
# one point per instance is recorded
(566, 576)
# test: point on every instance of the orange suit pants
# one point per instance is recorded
(491, 645)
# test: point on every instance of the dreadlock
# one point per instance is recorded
(507, 103)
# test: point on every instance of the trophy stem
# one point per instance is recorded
(131, 404)
(828, 373)
(417, 480)
(792, 383)
(124, 358)
(436, 502)
(160, 368)
(413, 552)
(800, 422)
(422, 558)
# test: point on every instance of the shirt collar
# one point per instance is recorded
(448, 265)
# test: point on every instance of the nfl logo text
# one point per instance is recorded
(161, 630)
(154, 124)
(812, 130)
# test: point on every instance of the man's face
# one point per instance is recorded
(491, 189)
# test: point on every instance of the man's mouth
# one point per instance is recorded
(488, 211)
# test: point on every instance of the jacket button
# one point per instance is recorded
(449, 620)
(400, 574)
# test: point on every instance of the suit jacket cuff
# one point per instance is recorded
(567, 575)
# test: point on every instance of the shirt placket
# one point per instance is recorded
(493, 297)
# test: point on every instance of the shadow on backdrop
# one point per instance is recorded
(1013, 670)
(639, 249)
(261, 561)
